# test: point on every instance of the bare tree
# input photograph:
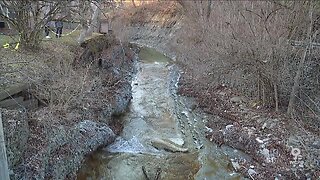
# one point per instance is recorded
(302, 60)
(30, 17)
(245, 44)
(90, 12)
(95, 18)
(84, 8)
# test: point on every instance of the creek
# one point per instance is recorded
(163, 137)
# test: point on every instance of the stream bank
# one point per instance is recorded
(58, 137)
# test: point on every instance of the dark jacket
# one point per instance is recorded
(59, 24)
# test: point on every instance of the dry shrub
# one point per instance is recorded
(247, 45)
(48, 70)
(76, 86)
(156, 12)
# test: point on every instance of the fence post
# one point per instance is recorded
(4, 171)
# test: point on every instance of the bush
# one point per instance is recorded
(248, 46)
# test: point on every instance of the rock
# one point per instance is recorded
(228, 127)
(251, 172)
(263, 140)
(167, 145)
(185, 113)
(272, 125)
(67, 149)
(208, 129)
(269, 123)
(235, 165)
(178, 141)
(81, 144)
(301, 164)
(222, 93)
(316, 144)
(236, 99)
(264, 125)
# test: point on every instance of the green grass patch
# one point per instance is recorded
(8, 39)
(69, 38)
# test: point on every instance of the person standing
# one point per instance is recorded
(59, 26)
(47, 29)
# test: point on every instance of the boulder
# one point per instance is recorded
(167, 145)
(236, 99)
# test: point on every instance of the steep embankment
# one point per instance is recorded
(150, 25)
(56, 138)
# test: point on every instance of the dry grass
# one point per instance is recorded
(72, 90)
(49, 69)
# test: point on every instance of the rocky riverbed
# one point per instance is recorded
(162, 136)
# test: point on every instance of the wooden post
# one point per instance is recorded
(4, 171)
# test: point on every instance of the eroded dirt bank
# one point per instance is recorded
(54, 140)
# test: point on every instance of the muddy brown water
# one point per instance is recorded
(157, 112)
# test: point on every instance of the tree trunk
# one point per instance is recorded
(276, 99)
(83, 31)
(133, 3)
(84, 7)
(30, 39)
(301, 64)
(209, 9)
(94, 19)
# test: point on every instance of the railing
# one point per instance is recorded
(4, 170)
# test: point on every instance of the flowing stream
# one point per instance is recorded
(163, 138)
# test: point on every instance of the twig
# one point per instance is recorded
(18, 62)
(145, 173)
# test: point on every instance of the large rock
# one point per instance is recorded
(65, 151)
(85, 137)
(168, 145)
